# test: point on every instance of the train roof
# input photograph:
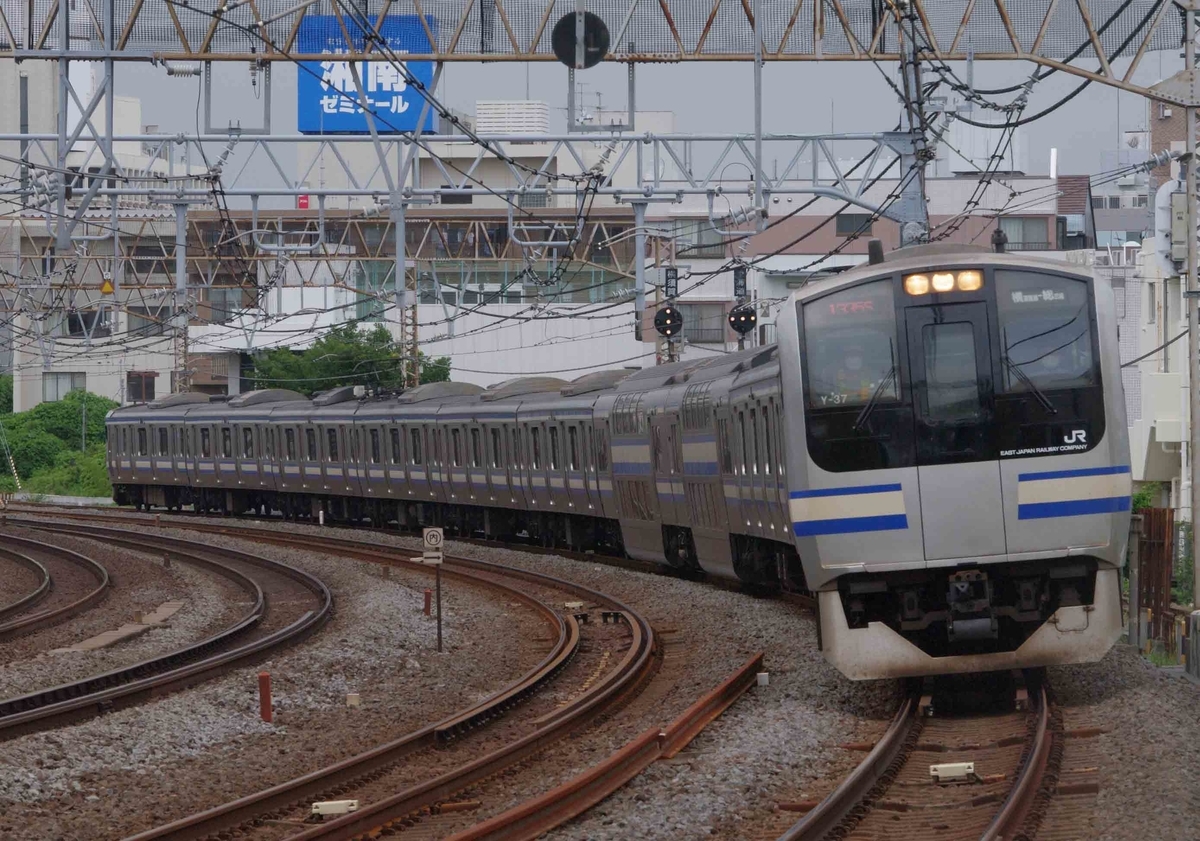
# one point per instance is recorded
(930, 256)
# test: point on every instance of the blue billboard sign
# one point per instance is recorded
(327, 99)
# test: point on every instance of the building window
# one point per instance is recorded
(57, 384)
(1114, 202)
(703, 322)
(139, 386)
(224, 303)
(533, 198)
(1141, 201)
(144, 321)
(1151, 304)
(852, 224)
(1025, 233)
(698, 238)
(89, 323)
(1097, 202)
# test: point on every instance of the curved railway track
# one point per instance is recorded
(891, 793)
(801, 599)
(264, 628)
(424, 802)
(64, 590)
(521, 740)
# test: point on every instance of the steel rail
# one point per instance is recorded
(851, 792)
(543, 813)
(34, 596)
(638, 665)
(1020, 801)
(352, 769)
(43, 619)
(96, 513)
(176, 669)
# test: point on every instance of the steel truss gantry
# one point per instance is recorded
(1079, 37)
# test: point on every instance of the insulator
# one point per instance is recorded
(183, 70)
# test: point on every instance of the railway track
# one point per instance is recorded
(892, 793)
(69, 584)
(278, 617)
(429, 805)
(803, 600)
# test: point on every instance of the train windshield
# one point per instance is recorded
(1045, 332)
(850, 345)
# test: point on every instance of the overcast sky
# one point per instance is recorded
(799, 97)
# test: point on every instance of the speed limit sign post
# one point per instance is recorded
(432, 540)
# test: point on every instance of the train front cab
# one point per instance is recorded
(961, 503)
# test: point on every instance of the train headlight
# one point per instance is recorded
(916, 284)
(969, 281)
(943, 281)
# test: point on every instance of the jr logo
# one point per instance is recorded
(1078, 436)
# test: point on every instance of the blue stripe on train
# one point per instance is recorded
(1070, 474)
(1073, 508)
(851, 525)
(859, 489)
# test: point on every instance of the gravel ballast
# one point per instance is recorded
(149, 764)
(1150, 755)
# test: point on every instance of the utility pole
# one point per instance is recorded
(1192, 295)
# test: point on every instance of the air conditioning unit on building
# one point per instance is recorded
(1127, 181)
(1164, 111)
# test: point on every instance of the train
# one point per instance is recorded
(935, 448)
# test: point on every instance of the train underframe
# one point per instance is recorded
(974, 618)
(757, 562)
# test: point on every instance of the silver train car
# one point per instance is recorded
(936, 447)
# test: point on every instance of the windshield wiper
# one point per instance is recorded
(861, 420)
(1031, 385)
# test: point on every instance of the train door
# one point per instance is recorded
(949, 355)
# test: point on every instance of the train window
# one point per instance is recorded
(535, 448)
(850, 346)
(725, 446)
(414, 445)
(742, 429)
(754, 436)
(247, 443)
(332, 436)
(951, 379)
(766, 417)
(516, 446)
(289, 444)
(375, 459)
(601, 449)
(554, 460)
(573, 444)
(164, 448)
(780, 453)
(456, 447)
(310, 438)
(354, 450)
(142, 442)
(268, 437)
(497, 455)
(226, 442)
(476, 460)
(205, 443)
(397, 446)
(1045, 332)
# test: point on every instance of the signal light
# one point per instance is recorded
(668, 321)
(742, 319)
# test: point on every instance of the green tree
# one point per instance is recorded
(6, 394)
(344, 355)
(64, 418)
